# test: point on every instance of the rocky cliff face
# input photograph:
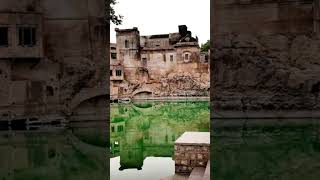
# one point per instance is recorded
(270, 72)
(175, 84)
(185, 84)
(171, 84)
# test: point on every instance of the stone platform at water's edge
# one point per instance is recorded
(194, 138)
(192, 149)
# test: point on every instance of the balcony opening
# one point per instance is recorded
(27, 36)
(110, 72)
(4, 37)
(120, 128)
(118, 73)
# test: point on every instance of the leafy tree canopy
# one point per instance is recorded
(205, 47)
(111, 14)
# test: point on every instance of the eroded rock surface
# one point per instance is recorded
(271, 72)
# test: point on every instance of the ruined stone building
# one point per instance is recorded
(157, 65)
(52, 61)
(265, 57)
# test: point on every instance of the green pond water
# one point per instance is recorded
(66, 155)
(263, 150)
(143, 136)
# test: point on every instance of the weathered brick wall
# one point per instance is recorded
(189, 156)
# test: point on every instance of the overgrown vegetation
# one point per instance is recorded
(111, 15)
(205, 47)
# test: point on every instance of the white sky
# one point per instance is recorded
(164, 16)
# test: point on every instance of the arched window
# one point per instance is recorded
(186, 56)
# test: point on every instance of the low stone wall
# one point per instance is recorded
(175, 98)
(189, 156)
(191, 150)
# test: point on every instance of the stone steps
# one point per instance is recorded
(206, 175)
(176, 177)
(200, 173)
(192, 156)
(197, 173)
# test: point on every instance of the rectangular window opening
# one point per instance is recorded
(114, 55)
(120, 128)
(126, 44)
(144, 61)
(27, 36)
(118, 73)
(4, 36)
(186, 56)
(171, 58)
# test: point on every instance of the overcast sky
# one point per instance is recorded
(164, 16)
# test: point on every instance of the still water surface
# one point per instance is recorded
(143, 135)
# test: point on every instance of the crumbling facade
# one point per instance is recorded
(158, 65)
(265, 58)
(52, 61)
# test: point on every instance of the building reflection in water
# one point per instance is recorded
(149, 129)
(76, 153)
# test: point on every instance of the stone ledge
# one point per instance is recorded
(194, 138)
(278, 114)
(197, 173)
(192, 149)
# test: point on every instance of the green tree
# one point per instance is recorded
(205, 47)
(111, 14)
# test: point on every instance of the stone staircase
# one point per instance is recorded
(192, 157)
(198, 173)
(176, 177)
(206, 175)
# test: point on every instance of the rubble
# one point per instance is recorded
(158, 65)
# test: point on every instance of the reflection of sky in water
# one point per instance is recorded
(154, 168)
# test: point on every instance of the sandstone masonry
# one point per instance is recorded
(158, 65)
(191, 150)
